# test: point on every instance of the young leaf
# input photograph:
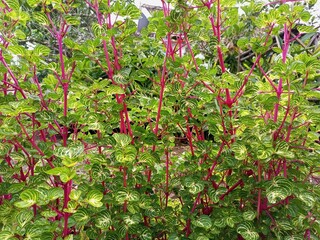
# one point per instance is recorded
(249, 215)
(17, 50)
(6, 235)
(24, 204)
(24, 217)
(72, 20)
(57, 171)
(16, 187)
(240, 151)
(132, 11)
(126, 154)
(103, 220)
(123, 195)
(41, 50)
(203, 221)
(122, 139)
(55, 193)
(29, 195)
(41, 18)
(82, 216)
(246, 230)
(33, 3)
(13, 4)
(94, 198)
(280, 189)
(69, 152)
(75, 194)
(308, 199)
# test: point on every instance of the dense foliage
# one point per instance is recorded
(92, 113)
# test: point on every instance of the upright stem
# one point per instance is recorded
(162, 87)
(259, 190)
(167, 176)
(65, 85)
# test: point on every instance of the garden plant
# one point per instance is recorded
(203, 125)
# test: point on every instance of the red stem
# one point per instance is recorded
(240, 182)
(246, 79)
(259, 190)
(167, 176)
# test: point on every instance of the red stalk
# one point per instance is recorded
(191, 52)
(2, 60)
(162, 87)
(167, 176)
(240, 182)
(246, 79)
(259, 190)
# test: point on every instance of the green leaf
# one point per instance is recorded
(24, 204)
(16, 187)
(47, 236)
(287, 154)
(125, 195)
(65, 173)
(280, 189)
(247, 231)
(122, 139)
(55, 193)
(240, 151)
(126, 154)
(70, 162)
(4, 149)
(146, 235)
(20, 34)
(203, 221)
(306, 29)
(220, 223)
(263, 153)
(41, 18)
(69, 152)
(34, 231)
(75, 194)
(103, 220)
(249, 215)
(69, 237)
(285, 225)
(268, 103)
(33, 3)
(282, 146)
(94, 198)
(202, 238)
(57, 171)
(13, 4)
(5, 208)
(82, 216)
(114, 89)
(25, 106)
(193, 185)
(308, 199)
(149, 158)
(6, 235)
(120, 79)
(67, 177)
(230, 221)
(24, 217)
(17, 50)
(41, 50)
(29, 195)
(132, 11)
(72, 20)
(131, 220)
(98, 30)
(49, 214)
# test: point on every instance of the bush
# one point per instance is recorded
(202, 126)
